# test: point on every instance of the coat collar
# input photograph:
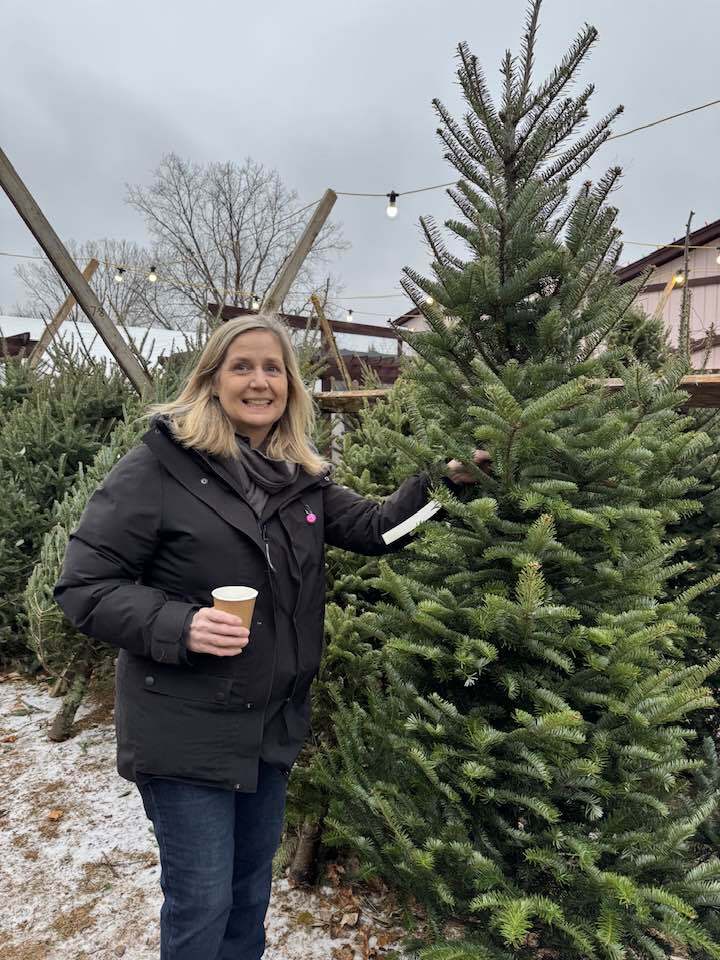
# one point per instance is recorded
(191, 468)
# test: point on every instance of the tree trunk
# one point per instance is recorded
(61, 727)
(304, 865)
(60, 687)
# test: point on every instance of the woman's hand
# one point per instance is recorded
(457, 471)
(216, 632)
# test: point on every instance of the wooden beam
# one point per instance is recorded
(330, 340)
(348, 400)
(54, 249)
(300, 323)
(63, 313)
(279, 290)
(704, 390)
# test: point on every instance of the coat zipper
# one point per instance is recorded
(263, 532)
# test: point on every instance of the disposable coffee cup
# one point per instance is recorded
(239, 601)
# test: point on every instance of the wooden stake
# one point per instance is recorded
(54, 249)
(684, 332)
(279, 290)
(329, 338)
(60, 317)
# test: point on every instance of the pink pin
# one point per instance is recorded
(311, 518)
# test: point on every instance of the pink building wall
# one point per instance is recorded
(705, 309)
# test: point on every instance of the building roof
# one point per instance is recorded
(403, 318)
(702, 237)
(24, 332)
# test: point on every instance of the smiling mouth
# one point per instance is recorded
(257, 403)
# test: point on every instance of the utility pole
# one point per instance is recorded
(279, 290)
(54, 249)
(60, 317)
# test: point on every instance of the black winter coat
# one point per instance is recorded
(166, 527)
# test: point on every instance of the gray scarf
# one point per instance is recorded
(259, 475)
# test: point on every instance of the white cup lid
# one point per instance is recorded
(234, 593)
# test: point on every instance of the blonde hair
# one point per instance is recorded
(198, 420)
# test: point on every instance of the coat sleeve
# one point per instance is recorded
(99, 589)
(357, 524)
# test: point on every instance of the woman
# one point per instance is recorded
(225, 489)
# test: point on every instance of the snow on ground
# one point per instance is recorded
(79, 871)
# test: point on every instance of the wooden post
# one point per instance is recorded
(60, 317)
(330, 340)
(279, 290)
(684, 331)
(54, 249)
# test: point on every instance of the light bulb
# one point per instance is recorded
(679, 278)
(152, 276)
(391, 209)
(118, 278)
(349, 316)
(429, 300)
(255, 302)
(717, 258)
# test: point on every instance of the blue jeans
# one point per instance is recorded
(216, 852)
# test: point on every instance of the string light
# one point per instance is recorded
(717, 258)
(118, 278)
(429, 300)
(349, 316)
(152, 276)
(255, 302)
(679, 278)
(391, 209)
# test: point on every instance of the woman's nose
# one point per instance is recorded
(259, 378)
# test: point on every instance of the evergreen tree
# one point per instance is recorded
(371, 464)
(63, 651)
(16, 382)
(66, 417)
(640, 337)
(523, 759)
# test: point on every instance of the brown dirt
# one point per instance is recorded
(100, 875)
(77, 920)
(49, 829)
(24, 951)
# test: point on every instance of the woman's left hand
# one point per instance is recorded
(458, 472)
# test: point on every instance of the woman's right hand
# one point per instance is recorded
(216, 632)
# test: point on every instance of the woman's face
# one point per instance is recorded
(252, 384)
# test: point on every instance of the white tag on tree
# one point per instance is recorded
(407, 526)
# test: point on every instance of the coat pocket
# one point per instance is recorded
(191, 725)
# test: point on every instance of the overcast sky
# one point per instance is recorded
(331, 94)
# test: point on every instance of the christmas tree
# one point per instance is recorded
(63, 652)
(17, 379)
(62, 421)
(372, 464)
(523, 759)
